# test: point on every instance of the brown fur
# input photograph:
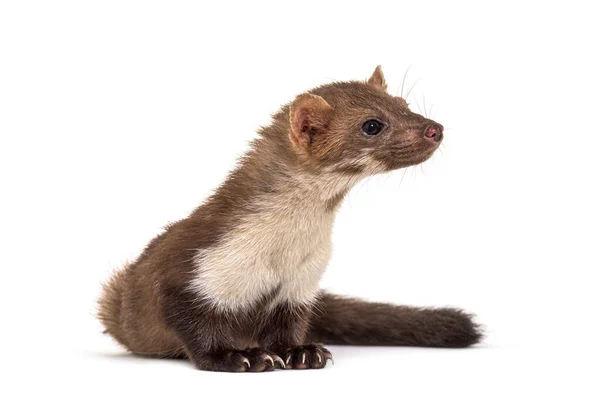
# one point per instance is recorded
(356, 322)
(313, 152)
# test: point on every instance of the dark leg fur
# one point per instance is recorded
(213, 340)
(356, 322)
(217, 341)
(284, 333)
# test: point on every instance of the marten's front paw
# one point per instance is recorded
(254, 359)
(309, 356)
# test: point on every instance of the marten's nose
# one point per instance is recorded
(434, 132)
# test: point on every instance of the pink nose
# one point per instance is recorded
(434, 132)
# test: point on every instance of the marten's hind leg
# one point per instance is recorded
(110, 306)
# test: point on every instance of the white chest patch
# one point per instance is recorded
(279, 249)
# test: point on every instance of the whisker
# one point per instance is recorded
(361, 185)
(404, 79)
(402, 178)
(420, 109)
(402, 145)
(411, 88)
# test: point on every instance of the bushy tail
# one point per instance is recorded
(356, 322)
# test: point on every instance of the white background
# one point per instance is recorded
(117, 117)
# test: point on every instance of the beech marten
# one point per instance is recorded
(235, 286)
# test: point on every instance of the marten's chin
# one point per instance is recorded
(397, 160)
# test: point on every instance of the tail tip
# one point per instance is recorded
(460, 329)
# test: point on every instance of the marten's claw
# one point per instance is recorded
(254, 359)
(279, 361)
(309, 356)
(246, 362)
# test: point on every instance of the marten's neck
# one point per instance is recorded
(272, 173)
(276, 216)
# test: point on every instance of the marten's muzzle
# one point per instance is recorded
(434, 133)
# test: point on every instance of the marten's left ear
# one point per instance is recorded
(309, 114)
(377, 79)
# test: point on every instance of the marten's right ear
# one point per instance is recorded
(309, 114)
(377, 79)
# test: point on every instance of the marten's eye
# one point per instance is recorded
(372, 127)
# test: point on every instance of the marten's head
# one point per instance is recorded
(358, 128)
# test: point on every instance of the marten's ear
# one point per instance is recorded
(309, 114)
(377, 79)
